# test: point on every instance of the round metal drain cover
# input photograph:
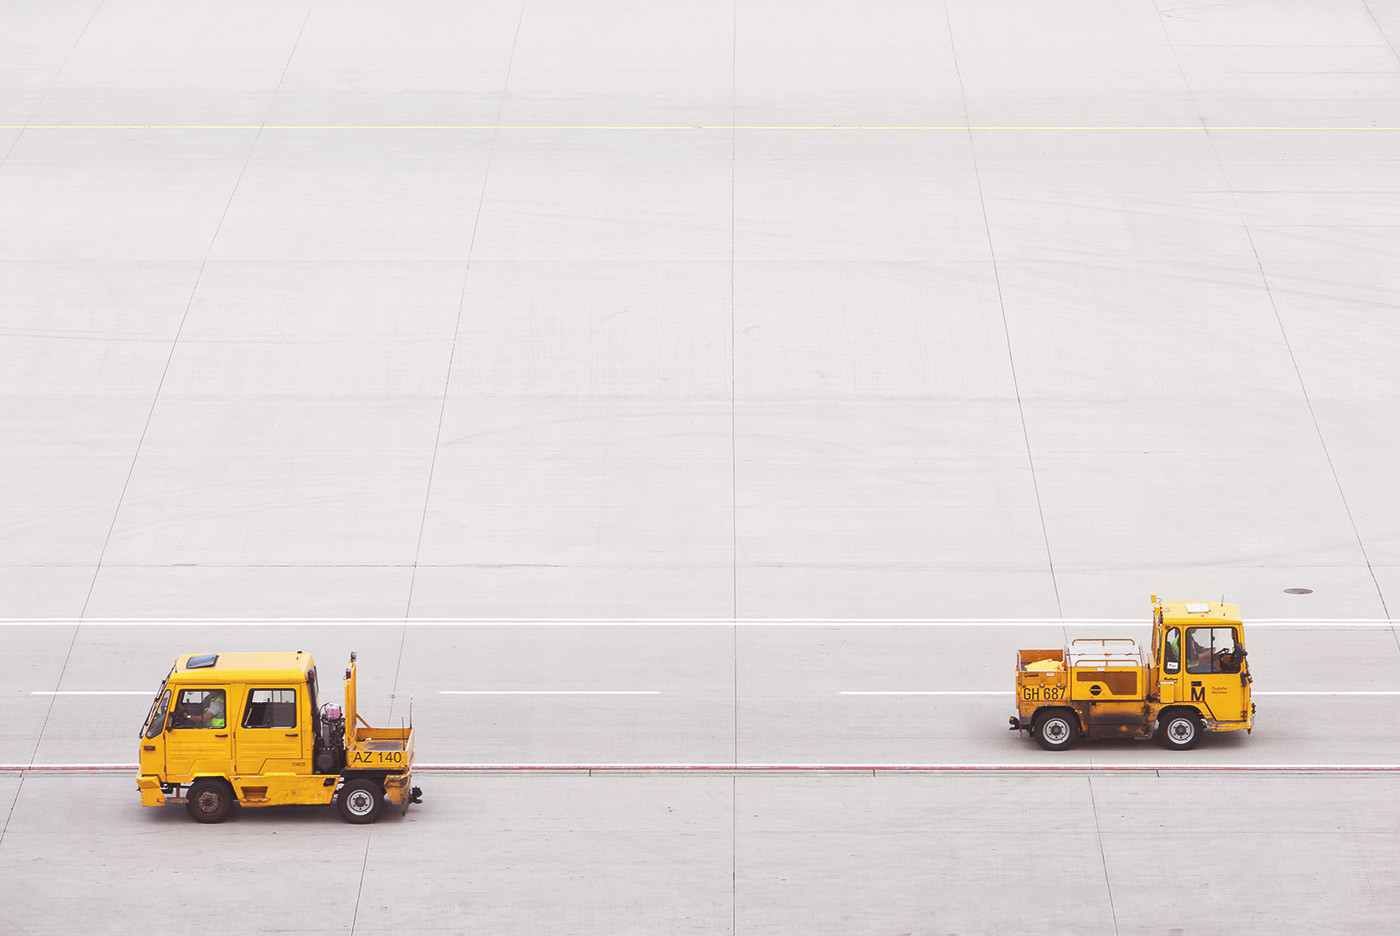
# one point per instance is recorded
(1297, 591)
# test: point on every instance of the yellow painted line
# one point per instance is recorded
(923, 128)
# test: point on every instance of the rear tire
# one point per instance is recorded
(1056, 730)
(209, 801)
(360, 801)
(1180, 731)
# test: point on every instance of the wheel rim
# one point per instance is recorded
(209, 802)
(1056, 730)
(1181, 730)
(360, 803)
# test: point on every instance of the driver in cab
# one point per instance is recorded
(1226, 659)
(207, 712)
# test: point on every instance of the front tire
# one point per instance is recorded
(360, 801)
(1180, 731)
(209, 801)
(1056, 731)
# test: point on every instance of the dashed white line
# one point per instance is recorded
(1007, 692)
(549, 692)
(924, 692)
(58, 692)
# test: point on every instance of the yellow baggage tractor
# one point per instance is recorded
(1194, 678)
(247, 729)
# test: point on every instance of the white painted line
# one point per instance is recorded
(922, 692)
(1335, 692)
(572, 622)
(1191, 128)
(56, 692)
(1142, 622)
(1006, 692)
(630, 692)
(550, 692)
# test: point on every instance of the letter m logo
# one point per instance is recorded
(1198, 692)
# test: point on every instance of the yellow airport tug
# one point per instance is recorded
(1194, 680)
(246, 728)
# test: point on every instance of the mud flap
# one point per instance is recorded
(151, 793)
(399, 791)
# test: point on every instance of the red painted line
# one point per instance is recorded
(904, 768)
(68, 768)
(806, 768)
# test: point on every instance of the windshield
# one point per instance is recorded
(159, 705)
(1212, 650)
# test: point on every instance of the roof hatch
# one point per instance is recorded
(202, 661)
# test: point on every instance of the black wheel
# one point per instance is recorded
(1056, 731)
(360, 801)
(209, 801)
(1180, 731)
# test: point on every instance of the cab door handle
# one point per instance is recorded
(293, 734)
(221, 735)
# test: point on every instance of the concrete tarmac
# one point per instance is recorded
(1293, 828)
(429, 320)
(1194, 853)
(677, 694)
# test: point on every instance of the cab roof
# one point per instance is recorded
(239, 667)
(1189, 612)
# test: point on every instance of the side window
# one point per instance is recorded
(271, 708)
(156, 723)
(1211, 650)
(1171, 653)
(199, 708)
